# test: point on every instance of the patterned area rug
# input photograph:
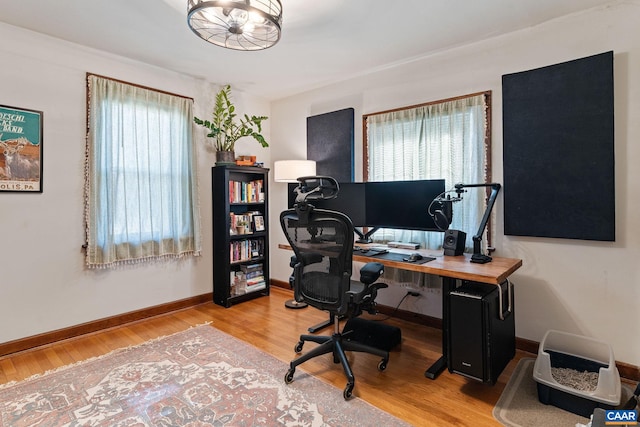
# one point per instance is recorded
(199, 377)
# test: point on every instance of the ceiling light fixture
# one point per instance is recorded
(236, 24)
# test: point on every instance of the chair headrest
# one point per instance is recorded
(316, 188)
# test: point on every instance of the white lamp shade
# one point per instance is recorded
(291, 170)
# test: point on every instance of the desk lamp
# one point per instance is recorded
(290, 171)
(442, 215)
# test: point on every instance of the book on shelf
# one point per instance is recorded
(254, 276)
(257, 284)
(256, 287)
(252, 268)
(246, 192)
(255, 281)
(243, 250)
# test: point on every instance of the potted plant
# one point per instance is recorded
(241, 227)
(225, 129)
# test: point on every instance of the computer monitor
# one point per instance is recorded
(350, 201)
(388, 204)
(402, 204)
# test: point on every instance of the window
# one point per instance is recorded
(141, 198)
(447, 139)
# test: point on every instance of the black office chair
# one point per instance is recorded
(322, 241)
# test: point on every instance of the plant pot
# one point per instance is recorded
(225, 158)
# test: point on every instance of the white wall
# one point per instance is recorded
(588, 288)
(44, 285)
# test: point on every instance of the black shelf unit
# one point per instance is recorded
(233, 252)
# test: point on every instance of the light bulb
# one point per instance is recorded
(256, 18)
(238, 17)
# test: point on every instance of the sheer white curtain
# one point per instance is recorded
(141, 188)
(440, 140)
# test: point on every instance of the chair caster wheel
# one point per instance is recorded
(288, 378)
(298, 347)
(348, 392)
(382, 365)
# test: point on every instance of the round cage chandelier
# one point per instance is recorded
(236, 24)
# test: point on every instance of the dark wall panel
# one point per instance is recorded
(558, 130)
(330, 144)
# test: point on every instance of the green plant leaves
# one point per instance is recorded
(225, 129)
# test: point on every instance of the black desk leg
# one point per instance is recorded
(448, 285)
(436, 369)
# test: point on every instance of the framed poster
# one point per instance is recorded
(20, 150)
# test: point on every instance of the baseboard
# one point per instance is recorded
(27, 343)
(527, 345)
(410, 316)
(279, 284)
(628, 371)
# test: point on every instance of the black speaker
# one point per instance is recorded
(454, 241)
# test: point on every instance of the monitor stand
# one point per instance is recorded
(365, 237)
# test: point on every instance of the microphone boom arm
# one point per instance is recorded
(478, 256)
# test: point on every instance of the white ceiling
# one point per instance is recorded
(323, 41)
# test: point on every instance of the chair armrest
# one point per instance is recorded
(371, 272)
(311, 258)
(363, 297)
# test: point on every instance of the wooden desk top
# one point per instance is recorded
(458, 267)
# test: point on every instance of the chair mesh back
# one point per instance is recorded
(323, 245)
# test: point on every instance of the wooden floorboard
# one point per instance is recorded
(401, 389)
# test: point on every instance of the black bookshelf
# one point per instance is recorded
(240, 257)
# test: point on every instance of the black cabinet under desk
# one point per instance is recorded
(481, 330)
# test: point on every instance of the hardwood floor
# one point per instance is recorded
(401, 389)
